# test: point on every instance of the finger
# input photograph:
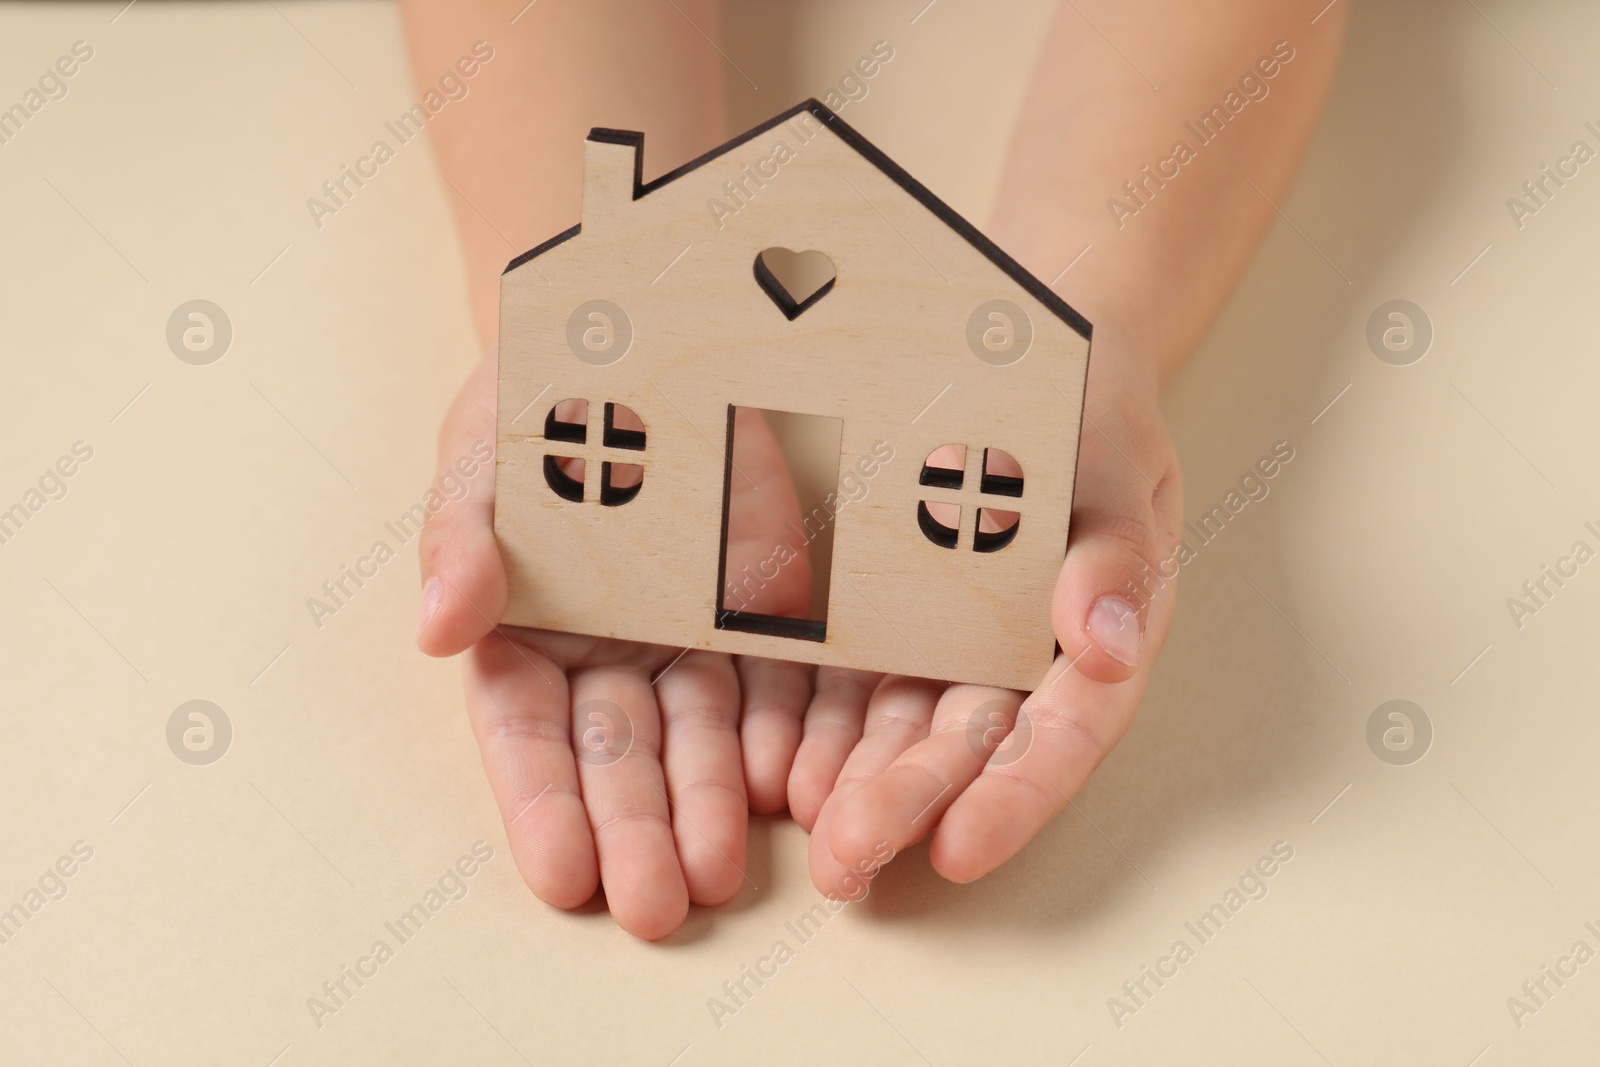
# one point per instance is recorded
(517, 705)
(463, 579)
(833, 724)
(1127, 515)
(1062, 733)
(1118, 560)
(898, 716)
(617, 737)
(699, 699)
(775, 694)
(903, 803)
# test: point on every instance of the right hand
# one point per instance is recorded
(620, 763)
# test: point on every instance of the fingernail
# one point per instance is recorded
(432, 595)
(1114, 625)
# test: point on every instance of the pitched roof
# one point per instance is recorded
(892, 170)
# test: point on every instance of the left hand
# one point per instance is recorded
(888, 761)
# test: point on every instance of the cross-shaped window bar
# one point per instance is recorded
(965, 512)
(594, 434)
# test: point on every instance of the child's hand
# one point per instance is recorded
(625, 764)
(616, 762)
(1150, 284)
(926, 762)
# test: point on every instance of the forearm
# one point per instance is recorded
(512, 152)
(1162, 258)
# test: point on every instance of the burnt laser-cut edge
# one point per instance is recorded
(575, 433)
(872, 154)
(543, 247)
(999, 484)
(560, 482)
(779, 293)
(934, 530)
(753, 622)
(614, 495)
(611, 437)
(941, 477)
(993, 540)
(722, 542)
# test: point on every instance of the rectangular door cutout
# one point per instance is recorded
(761, 574)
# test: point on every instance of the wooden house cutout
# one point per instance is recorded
(661, 304)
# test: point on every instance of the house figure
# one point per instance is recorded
(946, 370)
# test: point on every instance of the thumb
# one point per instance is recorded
(463, 578)
(1115, 594)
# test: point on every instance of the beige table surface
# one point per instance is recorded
(218, 899)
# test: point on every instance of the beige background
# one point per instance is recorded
(219, 898)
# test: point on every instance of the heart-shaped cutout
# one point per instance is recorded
(794, 280)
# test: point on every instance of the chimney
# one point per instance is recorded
(612, 166)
